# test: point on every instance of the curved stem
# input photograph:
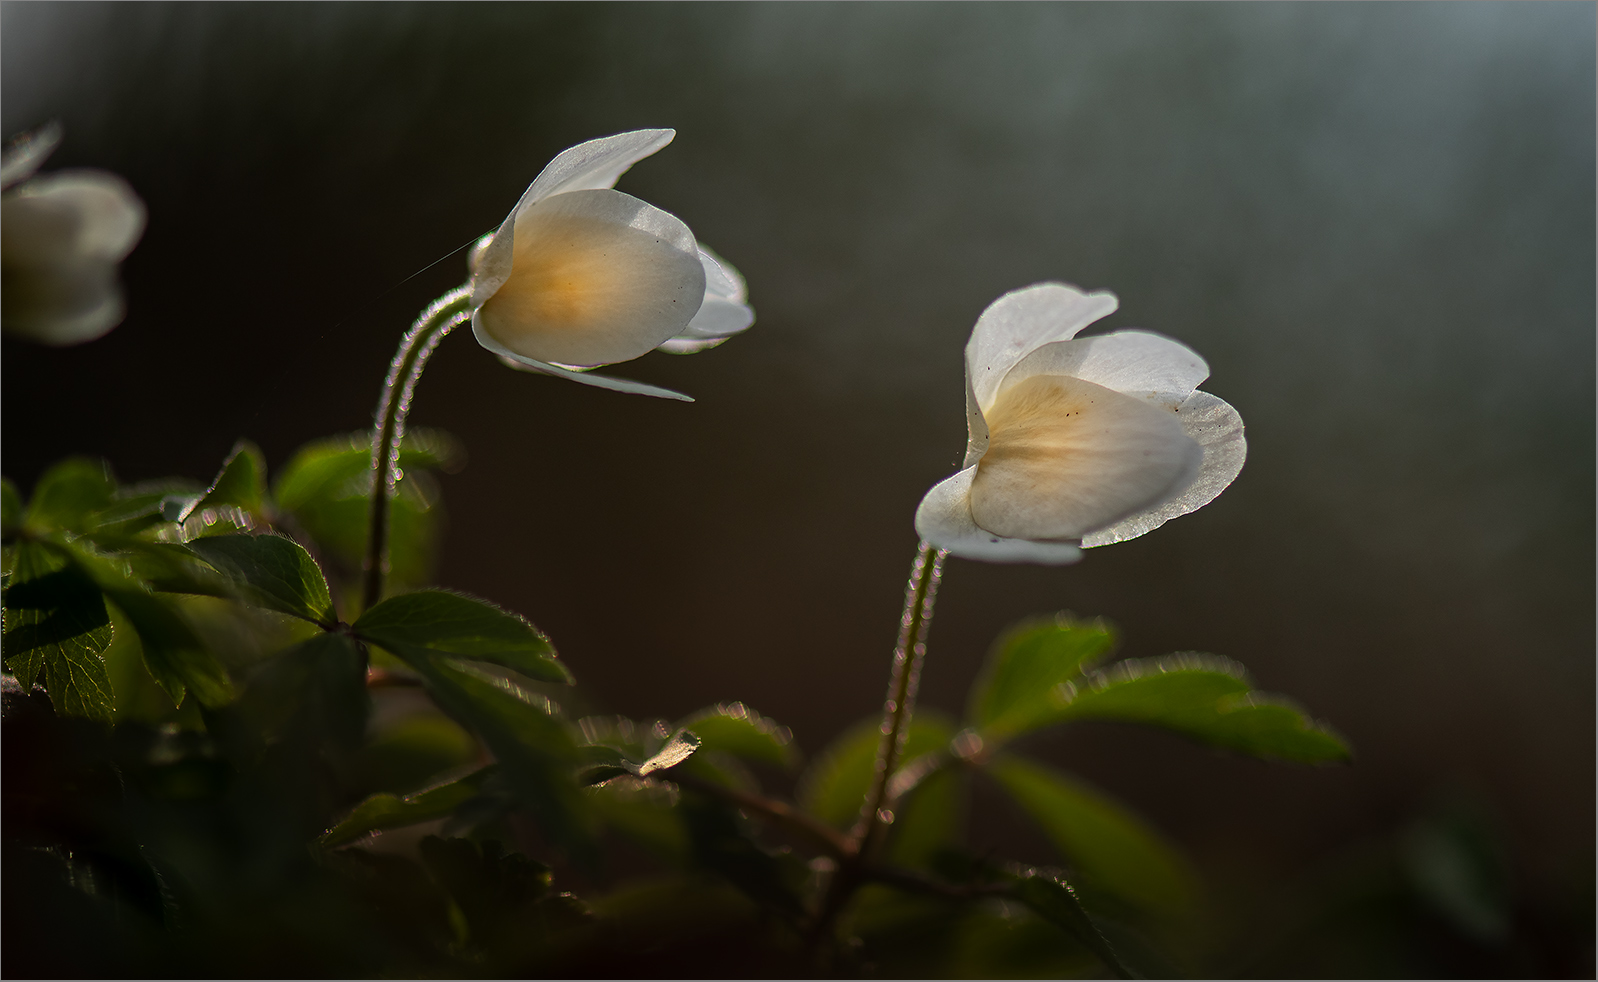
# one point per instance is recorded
(395, 404)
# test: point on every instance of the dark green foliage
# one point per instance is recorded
(419, 627)
(1055, 902)
(68, 494)
(56, 622)
(241, 484)
(733, 728)
(387, 811)
(270, 571)
(835, 785)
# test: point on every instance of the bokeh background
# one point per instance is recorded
(1375, 221)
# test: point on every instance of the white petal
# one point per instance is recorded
(1138, 363)
(689, 346)
(719, 319)
(71, 215)
(944, 519)
(595, 164)
(1022, 321)
(1218, 429)
(512, 360)
(721, 279)
(1067, 457)
(597, 277)
(28, 152)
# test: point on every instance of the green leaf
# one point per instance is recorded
(327, 489)
(173, 653)
(928, 819)
(135, 509)
(387, 811)
(11, 510)
(499, 893)
(534, 748)
(241, 482)
(69, 493)
(1108, 845)
(56, 621)
(1206, 698)
(313, 692)
(1015, 692)
(834, 788)
(1053, 900)
(271, 571)
(437, 622)
(734, 728)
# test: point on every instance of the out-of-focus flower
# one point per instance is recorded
(61, 237)
(1077, 443)
(580, 275)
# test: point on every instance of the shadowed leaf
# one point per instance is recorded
(69, 493)
(387, 811)
(56, 622)
(735, 729)
(436, 622)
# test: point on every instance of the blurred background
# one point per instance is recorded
(1375, 221)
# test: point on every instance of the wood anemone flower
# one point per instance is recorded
(63, 235)
(1077, 442)
(580, 275)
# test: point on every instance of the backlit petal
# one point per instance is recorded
(597, 277)
(944, 519)
(1066, 457)
(512, 360)
(1022, 321)
(595, 164)
(1218, 430)
(1138, 363)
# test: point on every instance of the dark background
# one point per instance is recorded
(1375, 221)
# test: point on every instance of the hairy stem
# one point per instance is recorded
(395, 404)
(919, 596)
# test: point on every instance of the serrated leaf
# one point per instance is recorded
(427, 623)
(1109, 846)
(11, 509)
(271, 571)
(388, 811)
(1015, 691)
(1053, 900)
(1206, 698)
(134, 509)
(173, 654)
(734, 728)
(834, 788)
(56, 622)
(241, 483)
(69, 493)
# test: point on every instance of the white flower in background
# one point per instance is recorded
(1077, 443)
(580, 275)
(61, 237)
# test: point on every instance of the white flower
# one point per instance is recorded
(580, 275)
(61, 238)
(1077, 443)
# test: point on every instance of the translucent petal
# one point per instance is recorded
(721, 279)
(595, 164)
(1138, 363)
(944, 519)
(597, 277)
(27, 153)
(689, 346)
(719, 318)
(1022, 321)
(512, 360)
(1068, 456)
(1218, 429)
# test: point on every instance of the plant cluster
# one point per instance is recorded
(245, 737)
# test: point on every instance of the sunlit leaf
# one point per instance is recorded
(437, 622)
(56, 622)
(834, 787)
(1014, 693)
(1206, 698)
(388, 811)
(69, 493)
(272, 572)
(241, 482)
(1054, 900)
(1108, 846)
(734, 728)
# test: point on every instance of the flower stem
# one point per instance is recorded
(415, 348)
(919, 596)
